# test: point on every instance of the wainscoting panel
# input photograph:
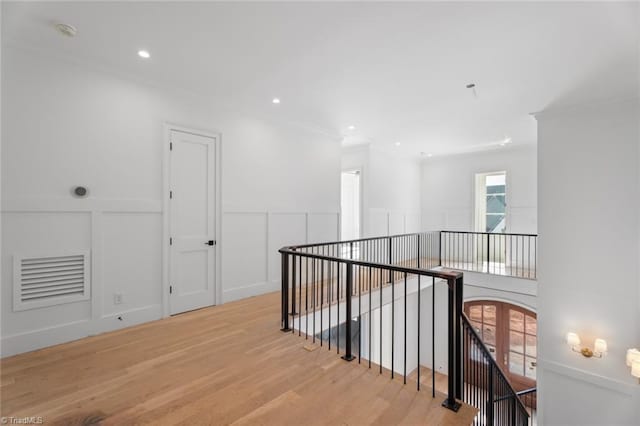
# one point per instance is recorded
(284, 229)
(396, 223)
(378, 223)
(36, 234)
(412, 223)
(123, 238)
(131, 261)
(322, 227)
(244, 254)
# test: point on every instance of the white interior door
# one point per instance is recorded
(192, 221)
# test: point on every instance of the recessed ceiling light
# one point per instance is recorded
(429, 155)
(66, 29)
(144, 54)
(352, 127)
(397, 144)
(275, 100)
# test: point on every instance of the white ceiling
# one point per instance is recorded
(397, 71)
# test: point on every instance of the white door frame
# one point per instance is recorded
(360, 201)
(217, 285)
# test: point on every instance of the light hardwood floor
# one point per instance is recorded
(228, 364)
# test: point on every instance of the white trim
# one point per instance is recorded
(360, 171)
(503, 300)
(614, 385)
(477, 187)
(66, 205)
(63, 333)
(254, 289)
(97, 239)
(168, 128)
(616, 102)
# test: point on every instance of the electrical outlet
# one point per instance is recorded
(117, 298)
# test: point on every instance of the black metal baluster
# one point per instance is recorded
(535, 258)
(381, 273)
(359, 315)
(529, 257)
(293, 287)
(418, 334)
(390, 260)
(306, 300)
(452, 369)
(348, 356)
(522, 268)
(393, 317)
(433, 337)
(338, 311)
(405, 329)
(285, 291)
(488, 253)
(370, 319)
(330, 296)
(490, 395)
(313, 299)
(299, 296)
(321, 297)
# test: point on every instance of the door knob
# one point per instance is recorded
(210, 243)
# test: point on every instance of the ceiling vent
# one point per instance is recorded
(50, 280)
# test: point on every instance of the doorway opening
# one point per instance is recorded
(350, 205)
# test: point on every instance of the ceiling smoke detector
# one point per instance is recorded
(66, 29)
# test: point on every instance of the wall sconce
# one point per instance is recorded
(598, 351)
(633, 361)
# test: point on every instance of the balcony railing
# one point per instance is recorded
(513, 255)
(354, 297)
(486, 386)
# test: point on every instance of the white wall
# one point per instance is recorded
(390, 190)
(66, 125)
(589, 211)
(448, 185)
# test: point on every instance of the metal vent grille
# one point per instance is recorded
(50, 280)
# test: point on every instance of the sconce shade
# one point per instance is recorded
(573, 339)
(600, 346)
(632, 355)
(635, 369)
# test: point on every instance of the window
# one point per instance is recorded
(491, 203)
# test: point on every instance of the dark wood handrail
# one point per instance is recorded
(358, 240)
(445, 275)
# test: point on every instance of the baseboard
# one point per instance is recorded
(250, 290)
(63, 333)
(128, 318)
(44, 337)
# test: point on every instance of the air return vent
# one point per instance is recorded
(50, 280)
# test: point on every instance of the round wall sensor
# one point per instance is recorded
(80, 191)
(66, 29)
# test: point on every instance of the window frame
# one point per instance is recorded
(480, 200)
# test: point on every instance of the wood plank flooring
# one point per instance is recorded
(228, 364)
